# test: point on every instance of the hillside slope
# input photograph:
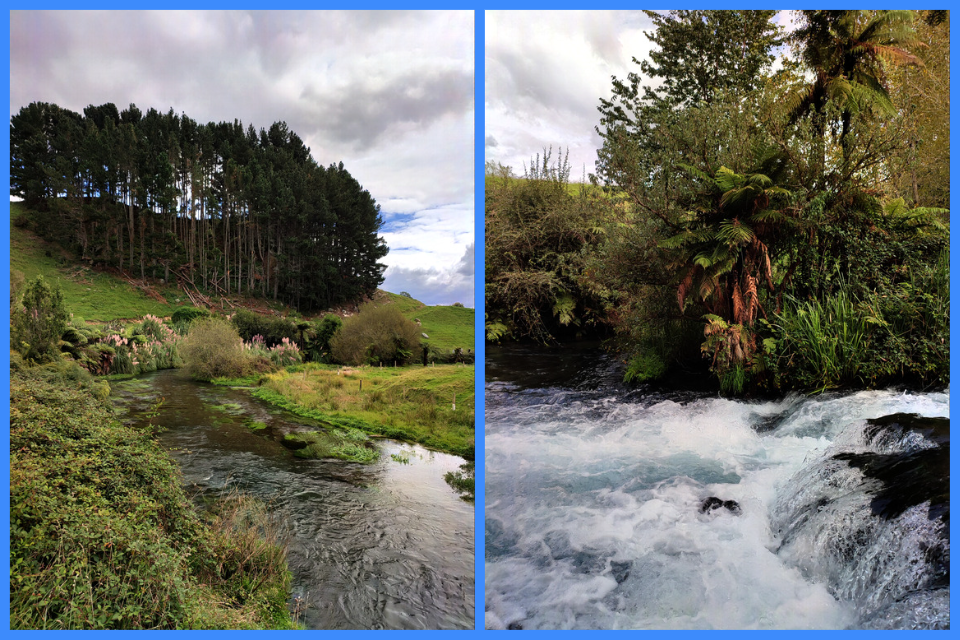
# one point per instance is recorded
(104, 296)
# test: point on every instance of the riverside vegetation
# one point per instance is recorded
(774, 230)
(102, 532)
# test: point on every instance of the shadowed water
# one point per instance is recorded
(595, 498)
(387, 545)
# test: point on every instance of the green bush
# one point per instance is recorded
(186, 315)
(910, 337)
(103, 536)
(645, 367)
(213, 349)
(38, 321)
(462, 481)
(376, 334)
(273, 329)
(317, 347)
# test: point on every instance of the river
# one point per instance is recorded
(383, 546)
(611, 507)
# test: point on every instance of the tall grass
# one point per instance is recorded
(824, 343)
(899, 334)
(406, 403)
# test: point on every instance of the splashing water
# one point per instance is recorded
(594, 492)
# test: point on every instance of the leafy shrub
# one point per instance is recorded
(38, 321)
(284, 354)
(645, 367)
(186, 315)
(317, 347)
(213, 349)
(462, 481)
(273, 329)
(376, 334)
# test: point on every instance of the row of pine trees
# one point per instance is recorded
(215, 205)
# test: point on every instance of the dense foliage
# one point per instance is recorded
(271, 329)
(38, 319)
(537, 233)
(775, 220)
(214, 349)
(102, 535)
(779, 227)
(215, 205)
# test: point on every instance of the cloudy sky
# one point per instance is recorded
(545, 74)
(390, 94)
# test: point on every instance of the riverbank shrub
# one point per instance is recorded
(213, 349)
(286, 353)
(376, 335)
(462, 481)
(38, 320)
(102, 535)
(152, 346)
(271, 328)
(540, 231)
(317, 344)
(911, 341)
(646, 366)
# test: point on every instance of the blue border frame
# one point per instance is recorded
(478, 6)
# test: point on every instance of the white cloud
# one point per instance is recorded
(428, 253)
(546, 73)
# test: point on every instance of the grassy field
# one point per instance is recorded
(406, 403)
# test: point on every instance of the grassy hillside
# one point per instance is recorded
(100, 296)
(89, 294)
(448, 327)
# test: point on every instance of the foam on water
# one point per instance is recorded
(593, 520)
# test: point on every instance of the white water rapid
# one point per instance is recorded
(594, 514)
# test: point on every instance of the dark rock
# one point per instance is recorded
(713, 503)
(515, 626)
(732, 506)
(906, 480)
